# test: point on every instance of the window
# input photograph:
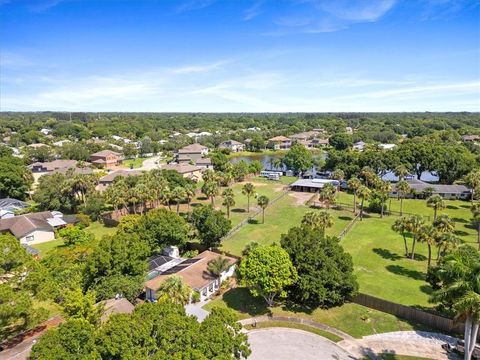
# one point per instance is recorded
(29, 238)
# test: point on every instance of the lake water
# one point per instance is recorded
(268, 162)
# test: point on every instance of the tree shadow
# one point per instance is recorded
(452, 207)
(460, 233)
(400, 270)
(238, 210)
(347, 218)
(253, 221)
(202, 198)
(296, 308)
(466, 206)
(387, 254)
(426, 289)
(241, 300)
(459, 220)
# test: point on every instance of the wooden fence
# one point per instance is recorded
(349, 227)
(409, 313)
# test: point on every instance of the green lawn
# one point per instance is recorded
(279, 218)
(378, 252)
(96, 228)
(133, 163)
(353, 319)
(99, 229)
(292, 325)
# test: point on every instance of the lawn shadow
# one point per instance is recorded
(459, 220)
(238, 210)
(426, 289)
(241, 300)
(296, 308)
(253, 221)
(202, 198)
(400, 270)
(417, 257)
(466, 206)
(345, 218)
(452, 207)
(460, 233)
(387, 254)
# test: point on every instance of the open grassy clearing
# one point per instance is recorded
(279, 218)
(353, 319)
(133, 163)
(292, 325)
(380, 264)
(97, 228)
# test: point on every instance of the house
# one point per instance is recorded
(43, 167)
(280, 143)
(9, 204)
(311, 185)
(194, 272)
(117, 305)
(359, 146)
(314, 143)
(205, 163)
(186, 170)
(193, 151)
(304, 136)
(108, 179)
(35, 228)
(232, 145)
(106, 159)
(471, 138)
(448, 192)
(45, 131)
(37, 145)
(196, 135)
(386, 146)
(61, 143)
(349, 130)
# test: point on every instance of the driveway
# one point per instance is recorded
(288, 344)
(150, 163)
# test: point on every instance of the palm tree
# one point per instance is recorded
(318, 220)
(415, 223)
(363, 193)
(211, 189)
(472, 180)
(436, 202)
(143, 194)
(460, 279)
(384, 189)
(427, 234)
(178, 195)
(368, 175)
(327, 194)
(401, 226)
(444, 227)
(174, 289)
(209, 176)
(402, 189)
(228, 200)
(446, 243)
(475, 209)
(353, 184)
(263, 201)
(218, 265)
(133, 198)
(248, 190)
(189, 193)
(401, 171)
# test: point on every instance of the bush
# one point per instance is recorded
(195, 296)
(84, 220)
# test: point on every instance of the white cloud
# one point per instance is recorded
(253, 11)
(357, 10)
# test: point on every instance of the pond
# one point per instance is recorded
(269, 162)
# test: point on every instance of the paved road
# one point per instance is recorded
(149, 164)
(290, 344)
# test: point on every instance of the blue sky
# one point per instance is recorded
(240, 55)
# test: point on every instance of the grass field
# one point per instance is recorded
(353, 319)
(96, 228)
(133, 163)
(279, 218)
(292, 325)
